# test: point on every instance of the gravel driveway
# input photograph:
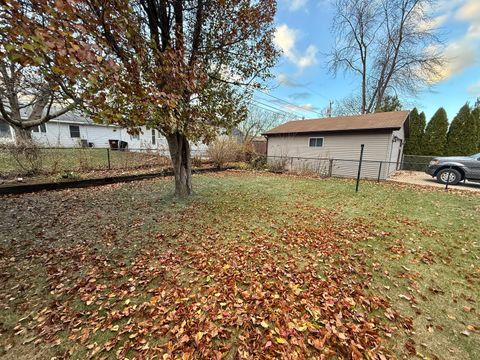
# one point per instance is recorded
(420, 178)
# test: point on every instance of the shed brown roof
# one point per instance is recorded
(376, 121)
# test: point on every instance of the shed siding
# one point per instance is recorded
(344, 147)
(396, 150)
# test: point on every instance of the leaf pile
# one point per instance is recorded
(295, 290)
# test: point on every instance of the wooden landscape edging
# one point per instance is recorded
(68, 184)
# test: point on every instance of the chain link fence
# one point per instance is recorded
(333, 167)
(18, 161)
(415, 162)
(21, 161)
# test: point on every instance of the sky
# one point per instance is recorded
(302, 78)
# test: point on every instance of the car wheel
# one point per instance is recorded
(443, 176)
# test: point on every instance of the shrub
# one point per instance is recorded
(224, 150)
(248, 151)
(26, 155)
(277, 165)
(197, 161)
(243, 166)
(258, 162)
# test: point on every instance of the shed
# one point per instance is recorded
(260, 145)
(332, 145)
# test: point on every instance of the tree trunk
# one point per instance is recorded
(22, 135)
(379, 97)
(364, 89)
(182, 163)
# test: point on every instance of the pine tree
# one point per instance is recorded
(435, 137)
(476, 117)
(389, 103)
(414, 145)
(462, 134)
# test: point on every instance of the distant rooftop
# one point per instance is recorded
(70, 117)
(376, 121)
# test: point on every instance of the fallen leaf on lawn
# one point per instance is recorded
(301, 328)
(198, 337)
(184, 339)
(472, 328)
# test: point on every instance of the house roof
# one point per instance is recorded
(70, 117)
(74, 117)
(259, 139)
(386, 120)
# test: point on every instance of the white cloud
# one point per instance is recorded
(286, 38)
(460, 55)
(300, 108)
(462, 52)
(470, 12)
(434, 23)
(297, 4)
(300, 95)
(285, 80)
(474, 89)
(443, 6)
(310, 57)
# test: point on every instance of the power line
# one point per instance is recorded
(271, 111)
(287, 102)
(291, 113)
(280, 115)
(315, 92)
(292, 104)
(278, 112)
(278, 109)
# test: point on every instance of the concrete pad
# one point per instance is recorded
(420, 178)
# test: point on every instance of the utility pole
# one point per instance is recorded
(329, 108)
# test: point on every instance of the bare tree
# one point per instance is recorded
(354, 27)
(258, 121)
(349, 105)
(390, 44)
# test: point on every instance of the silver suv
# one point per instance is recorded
(453, 169)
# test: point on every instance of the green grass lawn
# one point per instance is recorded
(251, 266)
(58, 161)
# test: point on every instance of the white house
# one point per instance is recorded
(73, 129)
(332, 145)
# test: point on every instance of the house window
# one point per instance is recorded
(315, 142)
(4, 130)
(40, 128)
(135, 137)
(153, 137)
(74, 131)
